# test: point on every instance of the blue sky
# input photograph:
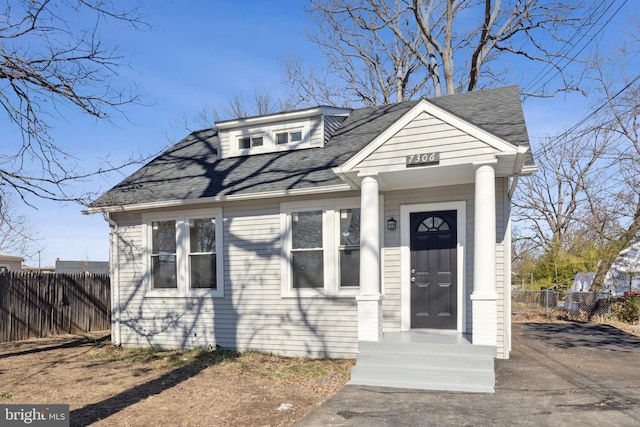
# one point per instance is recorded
(197, 53)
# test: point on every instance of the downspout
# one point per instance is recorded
(115, 280)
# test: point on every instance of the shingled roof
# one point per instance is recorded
(191, 169)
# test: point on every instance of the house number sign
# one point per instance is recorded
(423, 159)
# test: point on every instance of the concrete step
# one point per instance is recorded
(425, 362)
(474, 381)
(462, 350)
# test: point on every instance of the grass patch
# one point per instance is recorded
(5, 395)
(272, 367)
(146, 355)
(252, 363)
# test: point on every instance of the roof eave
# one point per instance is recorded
(217, 199)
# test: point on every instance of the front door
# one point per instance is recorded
(433, 270)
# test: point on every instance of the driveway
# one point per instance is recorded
(558, 374)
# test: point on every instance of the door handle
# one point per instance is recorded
(413, 280)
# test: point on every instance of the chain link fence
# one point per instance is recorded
(551, 303)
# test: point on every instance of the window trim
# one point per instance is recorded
(330, 241)
(288, 132)
(250, 137)
(339, 247)
(182, 253)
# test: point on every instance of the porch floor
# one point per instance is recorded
(426, 360)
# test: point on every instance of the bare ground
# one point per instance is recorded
(109, 386)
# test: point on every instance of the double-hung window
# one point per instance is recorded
(321, 247)
(202, 253)
(163, 254)
(185, 251)
(307, 251)
(349, 248)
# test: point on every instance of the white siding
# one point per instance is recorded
(252, 314)
(426, 134)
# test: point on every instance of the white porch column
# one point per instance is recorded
(370, 299)
(484, 297)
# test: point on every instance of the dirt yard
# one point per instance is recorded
(108, 386)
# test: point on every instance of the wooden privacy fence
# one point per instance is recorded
(38, 305)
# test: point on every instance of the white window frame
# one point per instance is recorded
(330, 242)
(288, 132)
(251, 137)
(182, 252)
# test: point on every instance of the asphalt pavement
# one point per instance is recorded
(559, 374)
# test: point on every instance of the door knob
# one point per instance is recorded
(413, 280)
(413, 270)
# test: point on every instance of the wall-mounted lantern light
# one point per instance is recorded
(391, 224)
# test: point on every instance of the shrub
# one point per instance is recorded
(627, 309)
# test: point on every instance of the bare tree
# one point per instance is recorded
(16, 236)
(619, 117)
(262, 102)
(554, 208)
(366, 62)
(52, 59)
(381, 51)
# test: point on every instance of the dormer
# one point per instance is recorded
(291, 130)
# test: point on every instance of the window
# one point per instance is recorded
(349, 248)
(287, 137)
(246, 142)
(321, 247)
(202, 253)
(307, 253)
(163, 254)
(432, 224)
(185, 253)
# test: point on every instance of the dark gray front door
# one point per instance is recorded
(433, 270)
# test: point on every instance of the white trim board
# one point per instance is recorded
(405, 258)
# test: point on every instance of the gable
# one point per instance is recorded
(426, 134)
(423, 130)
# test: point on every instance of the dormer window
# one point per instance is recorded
(250, 142)
(287, 137)
(278, 132)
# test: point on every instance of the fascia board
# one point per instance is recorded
(278, 117)
(218, 199)
(425, 106)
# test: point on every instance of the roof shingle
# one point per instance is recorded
(190, 169)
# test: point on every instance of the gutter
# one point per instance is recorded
(219, 199)
(518, 169)
(115, 280)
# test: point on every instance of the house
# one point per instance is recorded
(624, 274)
(623, 277)
(82, 267)
(311, 232)
(10, 262)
